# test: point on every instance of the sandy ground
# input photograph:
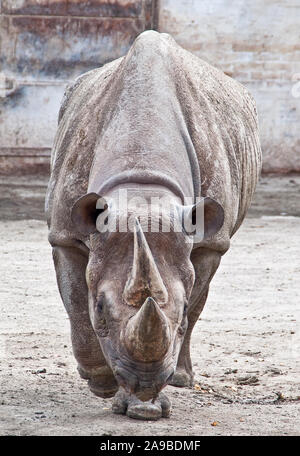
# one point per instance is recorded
(245, 347)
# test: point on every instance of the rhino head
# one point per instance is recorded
(139, 286)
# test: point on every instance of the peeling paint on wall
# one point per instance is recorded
(43, 45)
(256, 42)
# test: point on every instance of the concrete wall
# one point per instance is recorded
(256, 42)
(43, 45)
(46, 43)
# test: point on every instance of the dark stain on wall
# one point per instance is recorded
(64, 47)
(97, 8)
(43, 45)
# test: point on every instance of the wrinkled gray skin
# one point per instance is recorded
(157, 121)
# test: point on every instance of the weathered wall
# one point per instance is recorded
(256, 42)
(45, 43)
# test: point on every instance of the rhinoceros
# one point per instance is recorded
(158, 122)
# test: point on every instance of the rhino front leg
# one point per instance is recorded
(70, 265)
(205, 263)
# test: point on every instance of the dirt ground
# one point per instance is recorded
(245, 347)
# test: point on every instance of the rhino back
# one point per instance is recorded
(159, 111)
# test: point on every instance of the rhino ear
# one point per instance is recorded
(204, 219)
(85, 211)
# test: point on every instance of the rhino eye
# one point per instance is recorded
(185, 307)
(100, 303)
(100, 322)
(183, 325)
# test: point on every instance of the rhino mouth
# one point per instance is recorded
(143, 383)
(139, 395)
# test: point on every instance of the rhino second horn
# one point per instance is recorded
(145, 279)
(147, 335)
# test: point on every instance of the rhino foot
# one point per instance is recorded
(129, 404)
(182, 378)
(101, 381)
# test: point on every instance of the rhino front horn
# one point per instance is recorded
(147, 335)
(145, 279)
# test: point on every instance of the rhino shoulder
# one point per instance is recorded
(82, 81)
